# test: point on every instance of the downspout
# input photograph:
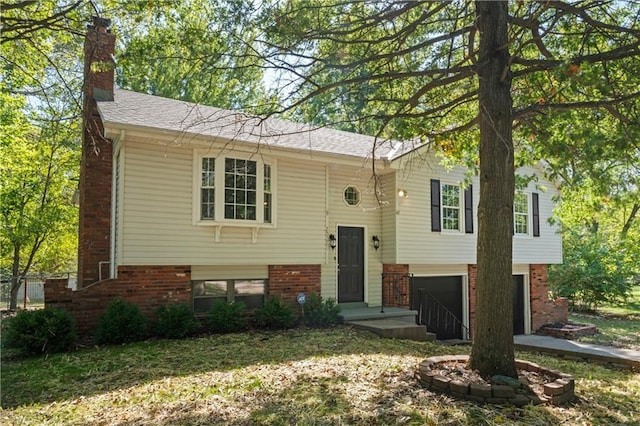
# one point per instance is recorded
(116, 181)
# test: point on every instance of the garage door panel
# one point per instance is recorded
(518, 304)
(429, 295)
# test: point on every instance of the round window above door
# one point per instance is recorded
(351, 196)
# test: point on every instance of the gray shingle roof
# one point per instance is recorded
(154, 112)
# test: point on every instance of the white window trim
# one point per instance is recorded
(219, 221)
(529, 233)
(344, 200)
(460, 230)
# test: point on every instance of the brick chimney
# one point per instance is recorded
(96, 167)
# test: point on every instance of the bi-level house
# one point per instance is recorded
(189, 203)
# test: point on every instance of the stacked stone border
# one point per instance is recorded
(557, 392)
(568, 331)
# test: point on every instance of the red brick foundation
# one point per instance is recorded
(147, 286)
(395, 285)
(289, 280)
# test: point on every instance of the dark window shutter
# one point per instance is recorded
(468, 210)
(535, 206)
(435, 205)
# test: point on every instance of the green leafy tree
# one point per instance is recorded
(41, 49)
(41, 60)
(40, 90)
(596, 159)
(596, 270)
(460, 75)
(37, 172)
(186, 50)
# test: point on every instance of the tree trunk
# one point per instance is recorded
(492, 351)
(15, 280)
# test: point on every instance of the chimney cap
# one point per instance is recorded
(99, 22)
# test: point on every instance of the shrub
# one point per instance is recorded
(321, 313)
(276, 314)
(227, 317)
(122, 322)
(46, 330)
(594, 271)
(175, 321)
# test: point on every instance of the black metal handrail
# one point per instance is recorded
(436, 316)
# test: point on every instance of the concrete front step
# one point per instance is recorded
(361, 313)
(393, 328)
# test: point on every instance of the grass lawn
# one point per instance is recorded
(619, 325)
(305, 377)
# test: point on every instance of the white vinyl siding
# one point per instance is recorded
(158, 218)
(547, 248)
(368, 215)
(417, 244)
(388, 238)
(158, 198)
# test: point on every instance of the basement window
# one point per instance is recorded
(207, 292)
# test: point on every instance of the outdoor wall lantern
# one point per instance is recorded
(402, 193)
(376, 242)
(332, 241)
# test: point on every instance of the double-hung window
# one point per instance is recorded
(451, 207)
(526, 214)
(521, 213)
(268, 194)
(208, 189)
(240, 189)
(232, 190)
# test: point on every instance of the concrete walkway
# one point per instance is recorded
(571, 349)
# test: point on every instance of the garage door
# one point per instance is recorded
(518, 304)
(438, 301)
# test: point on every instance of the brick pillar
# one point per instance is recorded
(95, 169)
(395, 285)
(472, 271)
(544, 310)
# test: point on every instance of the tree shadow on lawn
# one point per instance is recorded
(108, 369)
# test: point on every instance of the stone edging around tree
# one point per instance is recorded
(557, 392)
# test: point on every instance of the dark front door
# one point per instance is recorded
(350, 264)
(518, 304)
